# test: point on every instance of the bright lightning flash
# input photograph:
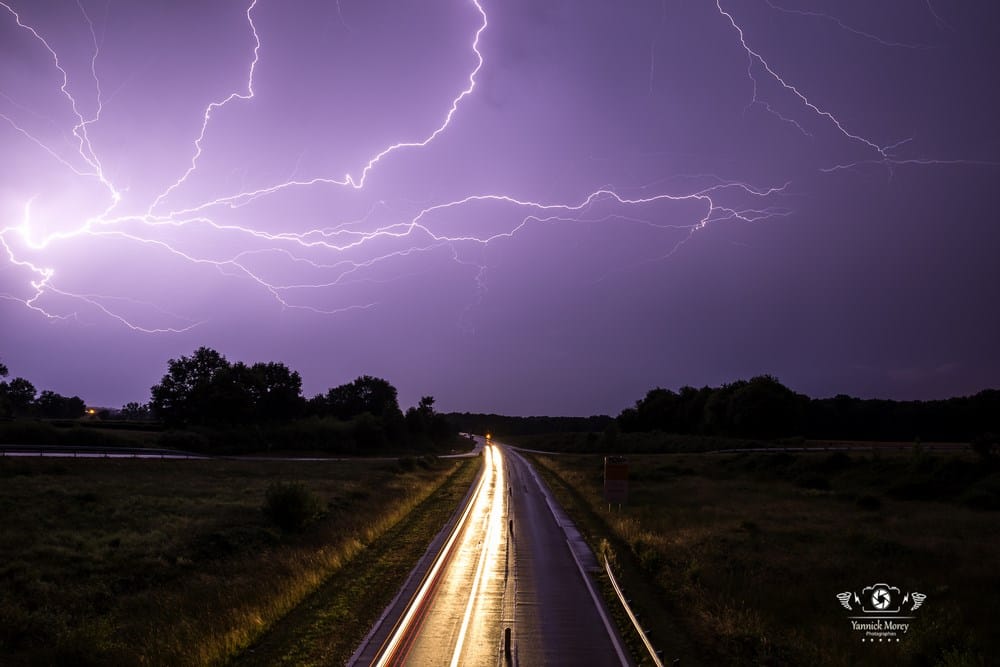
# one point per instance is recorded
(341, 252)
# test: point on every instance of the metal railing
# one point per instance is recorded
(631, 615)
(93, 451)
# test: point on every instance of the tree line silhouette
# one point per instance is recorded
(204, 402)
(19, 398)
(762, 407)
(263, 403)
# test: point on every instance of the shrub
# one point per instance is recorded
(292, 505)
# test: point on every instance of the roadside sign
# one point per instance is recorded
(615, 479)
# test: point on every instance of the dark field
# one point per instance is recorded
(175, 562)
(737, 558)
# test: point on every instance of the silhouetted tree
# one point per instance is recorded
(54, 406)
(20, 394)
(276, 391)
(423, 423)
(205, 388)
(418, 419)
(134, 411)
(317, 407)
(185, 393)
(764, 408)
(5, 410)
(365, 394)
(717, 414)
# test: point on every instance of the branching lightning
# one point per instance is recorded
(843, 26)
(214, 106)
(755, 57)
(330, 254)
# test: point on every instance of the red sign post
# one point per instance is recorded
(615, 480)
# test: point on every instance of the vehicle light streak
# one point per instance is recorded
(491, 545)
(486, 507)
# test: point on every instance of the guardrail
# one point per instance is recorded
(859, 449)
(90, 452)
(930, 447)
(631, 615)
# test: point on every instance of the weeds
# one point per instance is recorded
(173, 562)
(751, 548)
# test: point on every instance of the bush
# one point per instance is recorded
(292, 505)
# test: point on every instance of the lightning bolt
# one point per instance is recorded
(844, 26)
(85, 148)
(753, 57)
(214, 106)
(937, 17)
(339, 253)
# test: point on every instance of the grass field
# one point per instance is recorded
(175, 562)
(737, 558)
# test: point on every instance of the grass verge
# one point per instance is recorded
(736, 559)
(327, 627)
(175, 562)
(657, 617)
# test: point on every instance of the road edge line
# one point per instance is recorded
(598, 601)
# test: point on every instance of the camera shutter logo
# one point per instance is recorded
(881, 599)
(882, 612)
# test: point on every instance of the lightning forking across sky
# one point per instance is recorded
(344, 252)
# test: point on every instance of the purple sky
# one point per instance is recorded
(592, 199)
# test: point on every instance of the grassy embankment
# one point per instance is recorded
(363, 435)
(737, 558)
(174, 562)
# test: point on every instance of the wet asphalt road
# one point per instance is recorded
(516, 562)
(556, 619)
